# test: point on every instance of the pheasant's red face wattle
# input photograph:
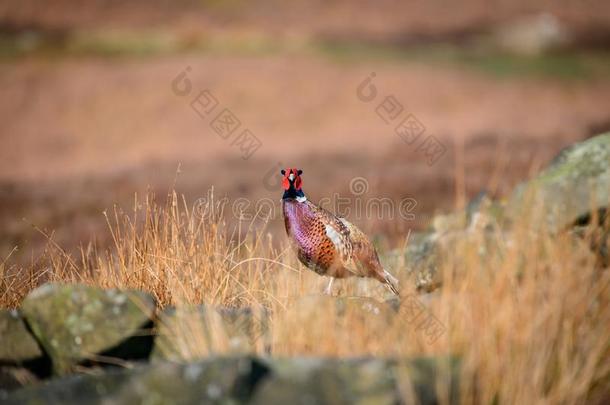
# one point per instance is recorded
(292, 175)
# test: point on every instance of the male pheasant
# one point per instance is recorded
(328, 245)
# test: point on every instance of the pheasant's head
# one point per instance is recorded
(292, 183)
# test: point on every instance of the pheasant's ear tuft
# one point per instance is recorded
(297, 180)
(285, 179)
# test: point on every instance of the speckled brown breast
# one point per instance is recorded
(306, 228)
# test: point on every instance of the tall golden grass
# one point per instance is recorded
(528, 313)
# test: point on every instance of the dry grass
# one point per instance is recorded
(529, 313)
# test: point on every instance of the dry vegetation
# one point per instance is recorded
(529, 314)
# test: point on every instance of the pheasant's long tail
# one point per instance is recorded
(391, 282)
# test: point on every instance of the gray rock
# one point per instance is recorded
(216, 380)
(531, 34)
(356, 381)
(313, 381)
(18, 345)
(190, 333)
(598, 240)
(77, 322)
(73, 389)
(420, 260)
(479, 223)
(576, 182)
(12, 378)
(249, 380)
(568, 192)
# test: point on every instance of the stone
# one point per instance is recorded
(75, 323)
(567, 194)
(420, 260)
(357, 381)
(18, 345)
(12, 378)
(247, 379)
(532, 34)
(215, 380)
(570, 189)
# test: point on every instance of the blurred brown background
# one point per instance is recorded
(89, 117)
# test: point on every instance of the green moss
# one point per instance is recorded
(75, 322)
(17, 344)
(577, 180)
(563, 65)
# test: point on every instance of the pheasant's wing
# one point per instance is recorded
(353, 250)
(366, 259)
(364, 254)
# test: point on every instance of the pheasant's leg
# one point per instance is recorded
(327, 291)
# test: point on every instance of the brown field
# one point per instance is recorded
(89, 117)
(83, 134)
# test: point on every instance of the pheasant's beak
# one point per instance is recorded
(291, 177)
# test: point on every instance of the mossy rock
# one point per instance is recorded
(12, 378)
(419, 262)
(574, 187)
(576, 183)
(357, 381)
(230, 380)
(17, 344)
(233, 380)
(313, 381)
(191, 333)
(76, 322)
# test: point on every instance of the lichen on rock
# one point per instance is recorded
(76, 322)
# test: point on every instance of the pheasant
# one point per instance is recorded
(326, 244)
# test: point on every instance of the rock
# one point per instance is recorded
(312, 381)
(251, 380)
(190, 333)
(532, 35)
(422, 374)
(216, 380)
(12, 378)
(568, 192)
(419, 260)
(480, 224)
(18, 345)
(598, 240)
(74, 323)
(576, 182)
(72, 389)
(359, 381)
